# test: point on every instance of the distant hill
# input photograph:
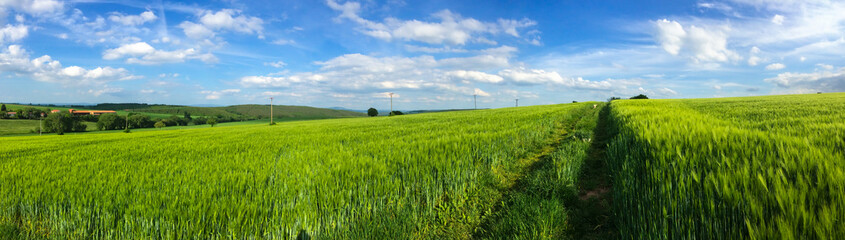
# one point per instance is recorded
(233, 113)
(284, 111)
(251, 111)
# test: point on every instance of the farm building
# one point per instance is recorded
(55, 111)
(11, 114)
(77, 112)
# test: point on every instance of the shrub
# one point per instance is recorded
(641, 96)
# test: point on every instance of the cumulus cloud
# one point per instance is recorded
(825, 66)
(826, 80)
(778, 19)
(480, 92)
(475, 76)
(13, 33)
(33, 7)
(14, 59)
(775, 66)
(753, 59)
(701, 45)
(269, 82)
(223, 20)
(143, 53)
(452, 28)
(133, 20)
(214, 95)
(363, 75)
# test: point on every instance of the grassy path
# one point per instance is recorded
(563, 193)
(592, 213)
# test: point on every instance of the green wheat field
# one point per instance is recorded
(768, 167)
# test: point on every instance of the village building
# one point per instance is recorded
(78, 113)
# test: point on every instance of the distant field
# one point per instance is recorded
(24, 126)
(280, 112)
(16, 127)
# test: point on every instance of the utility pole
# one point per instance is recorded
(475, 101)
(391, 103)
(517, 102)
(41, 125)
(271, 110)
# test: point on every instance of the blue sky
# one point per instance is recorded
(431, 54)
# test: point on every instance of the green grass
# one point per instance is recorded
(17, 126)
(758, 167)
(542, 202)
(417, 176)
(10, 127)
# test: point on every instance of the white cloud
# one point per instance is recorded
(451, 29)
(716, 5)
(196, 31)
(825, 66)
(475, 76)
(134, 49)
(480, 92)
(778, 19)
(13, 33)
(143, 53)
(775, 66)
(277, 64)
(214, 95)
(14, 59)
(277, 94)
(133, 20)
(670, 35)
(223, 20)
(446, 49)
(106, 90)
(265, 81)
(827, 81)
(34, 7)
(753, 59)
(533, 76)
(702, 44)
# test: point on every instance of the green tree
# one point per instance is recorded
(641, 96)
(140, 121)
(3, 108)
(159, 124)
(176, 120)
(212, 122)
(110, 121)
(61, 123)
(395, 113)
(372, 112)
(200, 120)
(79, 126)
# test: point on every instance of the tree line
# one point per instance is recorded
(62, 122)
